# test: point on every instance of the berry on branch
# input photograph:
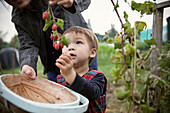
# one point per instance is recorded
(54, 27)
(51, 37)
(56, 37)
(45, 15)
(61, 45)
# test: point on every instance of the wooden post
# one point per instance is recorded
(157, 29)
(157, 34)
(168, 28)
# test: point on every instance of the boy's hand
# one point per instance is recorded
(65, 63)
(29, 71)
(65, 3)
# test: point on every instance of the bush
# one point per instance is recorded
(141, 45)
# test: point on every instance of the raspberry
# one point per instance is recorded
(61, 45)
(57, 46)
(54, 44)
(45, 15)
(54, 27)
(51, 37)
(56, 37)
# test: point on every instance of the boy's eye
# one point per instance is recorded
(78, 42)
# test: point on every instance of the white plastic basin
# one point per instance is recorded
(37, 107)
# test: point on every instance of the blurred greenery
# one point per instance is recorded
(17, 70)
(104, 62)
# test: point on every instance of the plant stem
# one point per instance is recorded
(117, 13)
(125, 66)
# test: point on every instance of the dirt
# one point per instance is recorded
(113, 104)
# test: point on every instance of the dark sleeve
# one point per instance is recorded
(92, 89)
(78, 6)
(28, 51)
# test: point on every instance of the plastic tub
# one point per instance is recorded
(38, 107)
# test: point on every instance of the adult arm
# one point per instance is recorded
(28, 51)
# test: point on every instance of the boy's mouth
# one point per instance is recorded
(17, 0)
(72, 55)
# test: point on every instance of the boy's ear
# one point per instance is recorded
(93, 53)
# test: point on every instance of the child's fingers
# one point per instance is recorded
(65, 57)
(61, 61)
(59, 65)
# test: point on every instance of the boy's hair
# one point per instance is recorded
(88, 33)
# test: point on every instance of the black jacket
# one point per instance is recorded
(33, 41)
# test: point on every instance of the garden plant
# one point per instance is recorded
(144, 91)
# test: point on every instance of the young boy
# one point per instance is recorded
(74, 67)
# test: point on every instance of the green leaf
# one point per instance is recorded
(49, 17)
(136, 6)
(129, 50)
(122, 94)
(117, 58)
(146, 108)
(116, 73)
(140, 26)
(146, 7)
(152, 41)
(65, 41)
(110, 40)
(47, 25)
(117, 45)
(117, 4)
(125, 15)
(60, 23)
(127, 28)
(55, 33)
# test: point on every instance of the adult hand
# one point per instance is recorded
(65, 3)
(29, 71)
(65, 63)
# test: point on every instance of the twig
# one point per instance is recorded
(125, 66)
(158, 78)
(13, 61)
(117, 13)
(1, 69)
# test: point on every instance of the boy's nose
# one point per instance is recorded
(71, 47)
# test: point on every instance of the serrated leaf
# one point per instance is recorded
(60, 23)
(65, 41)
(152, 41)
(47, 25)
(136, 6)
(140, 26)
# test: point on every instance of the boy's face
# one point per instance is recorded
(79, 48)
(19, 3)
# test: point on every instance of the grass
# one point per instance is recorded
(17, 70)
